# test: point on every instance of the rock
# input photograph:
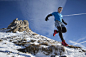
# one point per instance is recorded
(63, 56)
(22, 29)
(26, 23)
(1, 40)
(52, 55)
(18, 25)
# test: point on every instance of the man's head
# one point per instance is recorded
(60, 9)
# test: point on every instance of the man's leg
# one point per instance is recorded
(61, 36)
(55, 32)
(60, 32)
(64, 29)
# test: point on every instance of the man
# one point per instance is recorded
(58, 24)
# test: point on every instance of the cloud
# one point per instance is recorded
(80, 42)
(81, 39)
(75, 14)
(36, 10)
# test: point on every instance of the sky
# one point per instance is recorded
(35, 11)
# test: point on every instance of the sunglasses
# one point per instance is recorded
(60, 8)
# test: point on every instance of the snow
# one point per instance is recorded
(9, 49)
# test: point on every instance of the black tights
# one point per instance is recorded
(61, 30)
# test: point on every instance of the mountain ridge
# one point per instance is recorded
(18, 40)
(38, 45)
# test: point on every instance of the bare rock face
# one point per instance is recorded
(18, 25)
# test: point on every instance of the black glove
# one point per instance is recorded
(65, 23)
(46, 19)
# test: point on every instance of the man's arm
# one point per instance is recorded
(47, 17)
(64, 22)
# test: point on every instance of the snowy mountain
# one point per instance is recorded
(31, 44)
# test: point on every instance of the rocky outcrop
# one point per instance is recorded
(19, 25)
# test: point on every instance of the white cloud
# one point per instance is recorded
(80, 42)
(81, 39)
(75, 14)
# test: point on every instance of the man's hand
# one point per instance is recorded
(65, 23)
(46, 19)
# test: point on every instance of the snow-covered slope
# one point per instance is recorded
(30, 44)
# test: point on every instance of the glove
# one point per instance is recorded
(46, 19)
(65, 23)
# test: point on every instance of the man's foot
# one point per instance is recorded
(55, 32)
(64, 43)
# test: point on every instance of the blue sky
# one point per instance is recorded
(35, 12)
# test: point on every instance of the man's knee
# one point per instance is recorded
(64, 29)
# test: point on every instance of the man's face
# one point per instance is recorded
(60, 10)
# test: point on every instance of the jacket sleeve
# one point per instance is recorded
(64, 22)
(47, 17)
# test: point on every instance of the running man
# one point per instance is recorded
(58, 24)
